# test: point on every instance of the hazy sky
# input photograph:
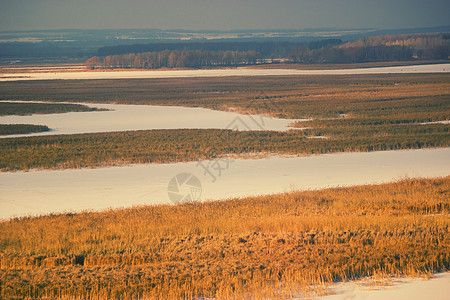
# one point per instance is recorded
(221, 14)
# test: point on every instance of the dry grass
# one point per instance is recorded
(374, 106)
(272, 246)
(26, 109)
(7, 129)
(284, 97)
(181, 145)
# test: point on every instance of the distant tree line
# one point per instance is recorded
(175, 59)
(267, 49)
(350, 55)
(379, 48)
(198, 55)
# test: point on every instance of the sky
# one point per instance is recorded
(221, 14)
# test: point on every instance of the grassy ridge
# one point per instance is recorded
(23, 109)
(271, 246)
(8, 129)
(166, 146)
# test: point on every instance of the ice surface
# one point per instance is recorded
(144, 117)
(41, 192)
(433, 68)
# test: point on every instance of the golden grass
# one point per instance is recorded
(272, 246)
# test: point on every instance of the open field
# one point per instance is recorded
(271, 246)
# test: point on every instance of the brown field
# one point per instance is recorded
(275, 246)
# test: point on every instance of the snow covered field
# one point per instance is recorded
(434, 68)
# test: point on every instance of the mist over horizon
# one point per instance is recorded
(220, 15)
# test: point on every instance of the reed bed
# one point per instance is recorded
(276, 246)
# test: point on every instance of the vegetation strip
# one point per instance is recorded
(24, 109)
(270, 246)
(284, 97)
(168, 146)
(10, 129)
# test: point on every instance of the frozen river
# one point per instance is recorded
(144, 117)
(434, 68)
(40, 192)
